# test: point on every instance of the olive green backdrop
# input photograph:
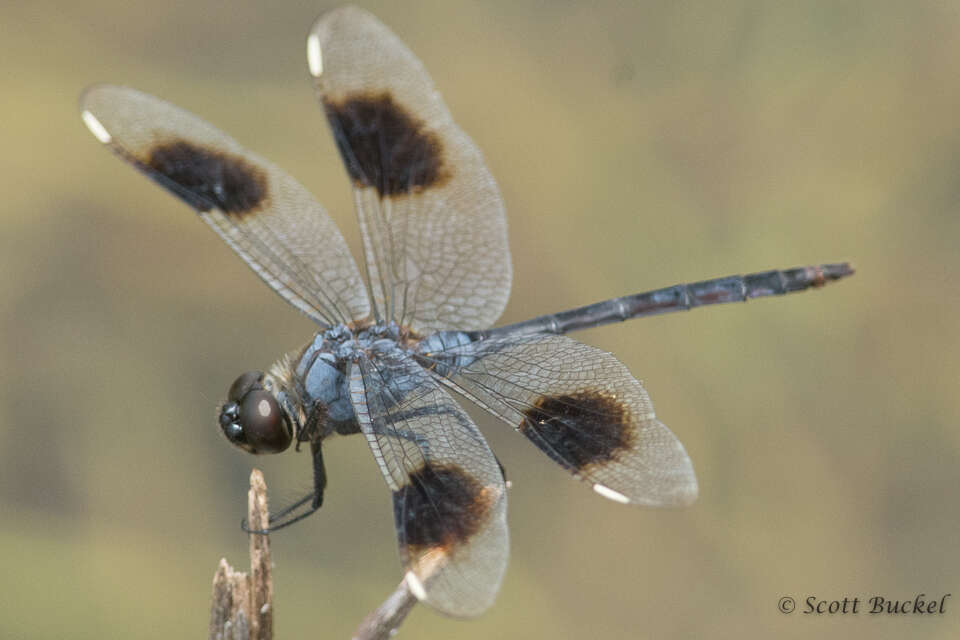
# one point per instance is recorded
(637, 145)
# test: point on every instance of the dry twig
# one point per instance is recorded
(383, 621)
(242, 606)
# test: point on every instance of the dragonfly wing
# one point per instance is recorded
(431, 216)
(449, 496)
(268, 218)
(580, 406)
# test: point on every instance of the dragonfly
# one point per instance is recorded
(418, 322)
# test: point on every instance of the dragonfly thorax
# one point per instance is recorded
(318, 378)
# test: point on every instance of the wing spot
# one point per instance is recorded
(416, 587)
(208, 178)
(96, 127)
(441, 506)
(580, 429)
(607, 492)
(384, 146)
(314, 55)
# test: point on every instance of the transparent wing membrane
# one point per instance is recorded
(449, 496)
(580, 406)
(263, 214)
(431, 216)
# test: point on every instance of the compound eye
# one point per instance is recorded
(264, 425)
(243, 384)
(229, 417)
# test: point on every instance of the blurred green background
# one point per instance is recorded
(637, 145)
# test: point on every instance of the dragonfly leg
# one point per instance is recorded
(297, 511)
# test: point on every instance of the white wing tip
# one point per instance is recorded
(98, 130)
(314, 55)
(690, 493)
(415, 586)
(607, 492)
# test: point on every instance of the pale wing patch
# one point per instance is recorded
(314, 55)
(97, 129)
(607, 492)
(416, 587)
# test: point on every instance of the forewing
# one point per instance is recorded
(449, 497)
(266, 216)
(430, 212)
(581, 407)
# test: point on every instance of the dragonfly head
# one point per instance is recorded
(252, 418)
